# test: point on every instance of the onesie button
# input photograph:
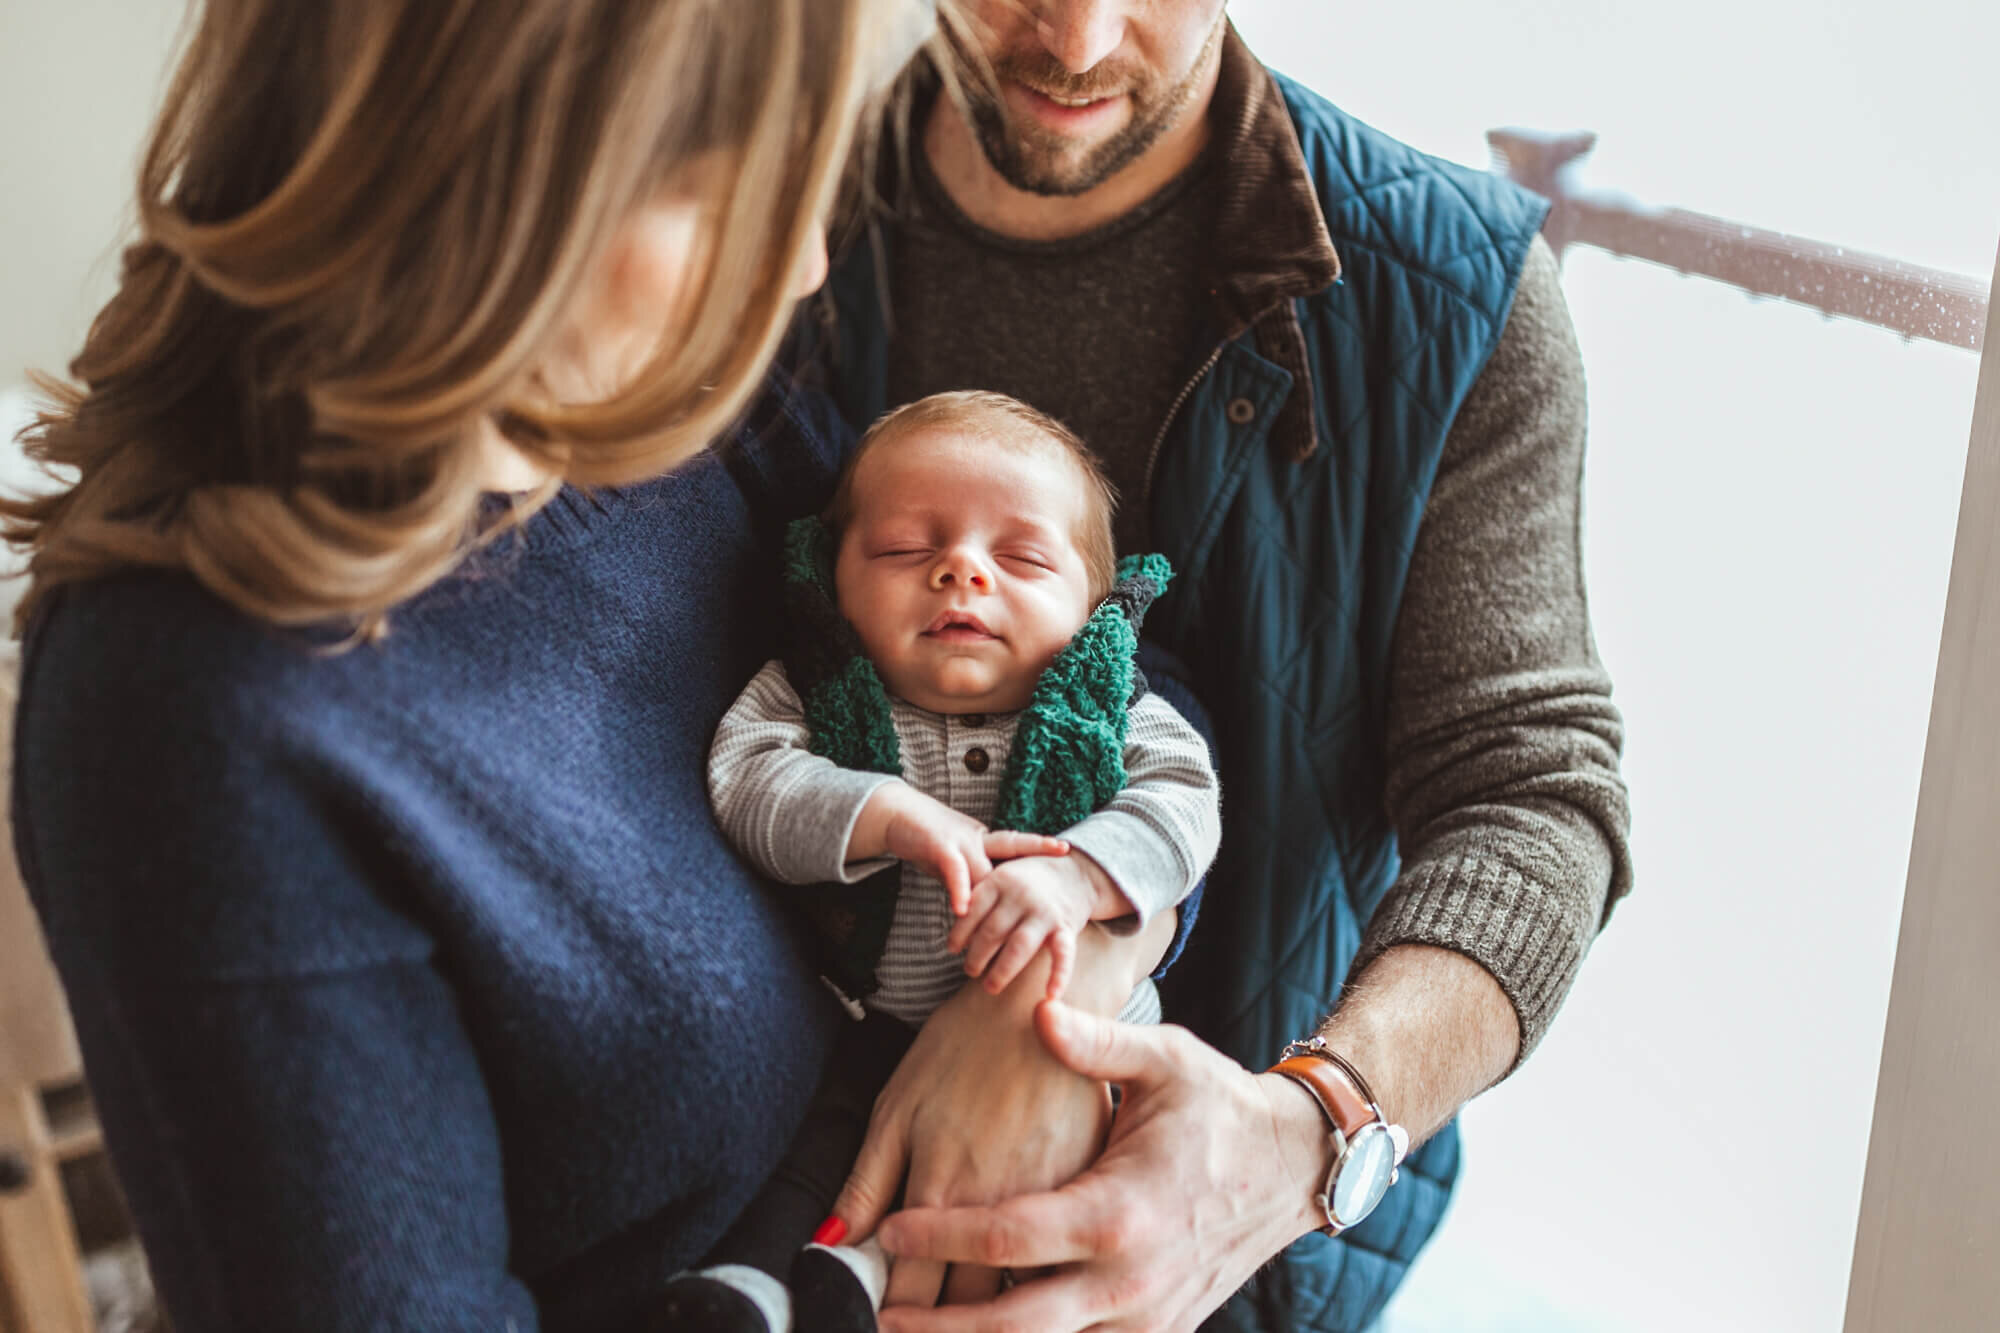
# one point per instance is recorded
(1241, 411)
(976, 760)
(973, 720)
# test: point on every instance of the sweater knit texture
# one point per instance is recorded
(417, 986)
(1132, 273)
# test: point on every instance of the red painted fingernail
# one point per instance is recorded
(831, 1232)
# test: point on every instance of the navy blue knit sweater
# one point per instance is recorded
(416, 985)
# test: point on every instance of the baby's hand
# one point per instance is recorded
(1021, 907)
(957, 848)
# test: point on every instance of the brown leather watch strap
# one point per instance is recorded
(1346, 1109)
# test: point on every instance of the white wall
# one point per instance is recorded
(1769, 506)
(79, 80)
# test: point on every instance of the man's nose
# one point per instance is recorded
(1081, 33)
(959, 567)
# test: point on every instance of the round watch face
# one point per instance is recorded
(1364, 1174)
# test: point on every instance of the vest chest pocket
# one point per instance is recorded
(1223, 428)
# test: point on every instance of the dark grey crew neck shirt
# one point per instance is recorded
(1096, 330)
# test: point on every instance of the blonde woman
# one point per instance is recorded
(374, 645)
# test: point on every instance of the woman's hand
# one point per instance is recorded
(976, 1112)
(1207, 1175)
(980, 1111)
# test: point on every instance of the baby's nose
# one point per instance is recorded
(958, 569)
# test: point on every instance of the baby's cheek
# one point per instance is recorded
(901, 678)
(868, 616)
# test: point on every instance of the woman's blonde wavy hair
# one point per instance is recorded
(361, 226)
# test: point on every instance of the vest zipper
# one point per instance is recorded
(1153, 454)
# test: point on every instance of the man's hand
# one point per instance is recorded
(1207, 1175)
(902, 822)
(1016, 911)
(1209, 1169)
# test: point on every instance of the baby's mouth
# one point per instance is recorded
(958, 626)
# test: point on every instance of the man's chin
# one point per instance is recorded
(1050, 184)
(1066, 172)
(1034, 164)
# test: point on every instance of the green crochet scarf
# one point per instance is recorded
(1067, 760)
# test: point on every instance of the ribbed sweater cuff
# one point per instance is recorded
(1530, 937)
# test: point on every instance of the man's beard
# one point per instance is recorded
(1029, 158)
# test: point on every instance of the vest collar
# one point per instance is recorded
(1271, 241)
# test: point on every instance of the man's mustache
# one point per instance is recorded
(1044, 73)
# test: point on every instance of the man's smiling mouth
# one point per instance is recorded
(1069, 101)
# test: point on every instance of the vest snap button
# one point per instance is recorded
(1242, 411)
(976, 760)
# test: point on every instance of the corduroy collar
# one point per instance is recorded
(1271, 242)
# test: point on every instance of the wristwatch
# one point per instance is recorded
(1367, 1149)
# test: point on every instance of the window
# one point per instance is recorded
(1769, 509)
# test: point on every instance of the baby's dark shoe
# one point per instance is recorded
(838, 1288)
(728, 1298)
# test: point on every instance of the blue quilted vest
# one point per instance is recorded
(1291, 573)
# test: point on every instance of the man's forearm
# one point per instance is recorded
(1502, 741)
(1429, 1029)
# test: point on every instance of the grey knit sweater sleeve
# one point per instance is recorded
(1503, 743)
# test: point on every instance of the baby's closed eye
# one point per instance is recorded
(1027, 560)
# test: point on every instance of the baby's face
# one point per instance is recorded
(960, 569)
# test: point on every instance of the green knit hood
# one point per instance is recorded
(1068, 756)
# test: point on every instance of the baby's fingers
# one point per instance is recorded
(978, 906)
(957, 879)
(1016, 953)
(994, 928)
(1006, 844)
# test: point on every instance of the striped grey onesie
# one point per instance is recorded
(792, 812)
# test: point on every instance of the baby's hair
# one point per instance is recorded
(1002, 420)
